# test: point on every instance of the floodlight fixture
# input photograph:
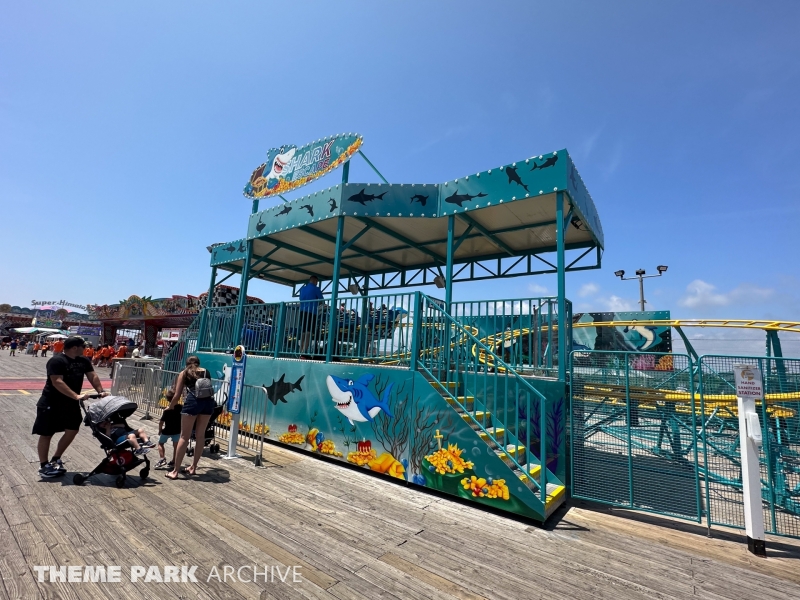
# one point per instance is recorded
(439, 282)
(640, 272)
(619, 274)
(641, 276)
(353, 288)
(662, 268)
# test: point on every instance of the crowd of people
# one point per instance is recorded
(103, 355)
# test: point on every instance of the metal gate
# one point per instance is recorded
(633, 432)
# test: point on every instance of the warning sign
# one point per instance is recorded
(748, 382)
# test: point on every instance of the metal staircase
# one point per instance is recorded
(501, 406)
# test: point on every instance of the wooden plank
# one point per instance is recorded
(432, 579)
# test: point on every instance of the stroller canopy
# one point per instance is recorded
(104, 408)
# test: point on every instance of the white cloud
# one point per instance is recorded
(588, 289)
(534, 288)
(701, 294)
(617, 304)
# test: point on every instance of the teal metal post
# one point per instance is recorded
(239, 322)
(332, 317)
(448, 277)
(201, 334)
(279, 331)
(416, 329)
(363, 331)
(562, 284)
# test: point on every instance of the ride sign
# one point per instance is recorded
(748, 382)
(237, 380)
(289, 167)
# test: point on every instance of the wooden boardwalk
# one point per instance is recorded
(352, 536)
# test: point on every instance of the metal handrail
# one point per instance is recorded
(464, 332)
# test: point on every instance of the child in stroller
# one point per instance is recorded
(119, 432)
(120, 457)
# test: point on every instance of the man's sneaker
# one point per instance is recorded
(59, 466)
(141, 451)
(49, 470)
(149, 444)
(161, 464)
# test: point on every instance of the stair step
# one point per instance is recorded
(462, 401)
(496, 432)
(481, 416)
(555, 492)
(445, 384)
(518, 452)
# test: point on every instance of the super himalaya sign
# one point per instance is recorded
(289, 167)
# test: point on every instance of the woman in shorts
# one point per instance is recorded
(195, 414)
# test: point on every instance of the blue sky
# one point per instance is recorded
(127, 131)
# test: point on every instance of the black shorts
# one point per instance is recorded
(55, 419)
(309, 322)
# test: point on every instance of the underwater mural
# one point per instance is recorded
(392, 422)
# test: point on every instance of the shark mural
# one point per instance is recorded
(354, 399)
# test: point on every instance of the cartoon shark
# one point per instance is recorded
(459, 199)
(286, 210)
(241, 247)
(548, 163)
(309, 208)
(419, 198)
(231, 248)
(514, 177)
(363, 198)
(260, 226)
(283, 158)
(221, 396)
(333, 204)
(647, 333)
(354, 399)
(278, 390)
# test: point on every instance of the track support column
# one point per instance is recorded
(562, 284)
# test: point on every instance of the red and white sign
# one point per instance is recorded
(748, 382)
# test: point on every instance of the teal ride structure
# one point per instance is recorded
(387, 378)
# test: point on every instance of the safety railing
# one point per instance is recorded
(375, 328)
(148, 387)
(505, 408)
(522, 331)
(186, 345)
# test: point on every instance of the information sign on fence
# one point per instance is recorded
(748, 382)
(237, 380)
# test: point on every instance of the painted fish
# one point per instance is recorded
(260, 226)
(278, 390)
(419, 198)
(354, 399)
(286, 210)
(333, 204)
(548, 163)
(459, 199)
(513, 177)
(241, 247)
(231, 248)
(363, 198)
(309, 208)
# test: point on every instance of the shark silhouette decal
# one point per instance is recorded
(286, 210)
(333, 205)
(459, 199)
(513, 177)
(419, 198)
(355, 400)
(309, 208)
(547, 163)
(260, 226)
(363, 198)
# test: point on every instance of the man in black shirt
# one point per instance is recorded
(58, 409)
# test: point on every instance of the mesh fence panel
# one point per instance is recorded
(780, 455)
(633, 432)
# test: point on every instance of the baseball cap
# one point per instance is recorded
(73, 341)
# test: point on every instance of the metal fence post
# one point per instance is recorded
(259, 457)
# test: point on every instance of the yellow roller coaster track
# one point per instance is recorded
(498, 338)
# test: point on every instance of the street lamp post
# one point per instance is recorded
(640, 275)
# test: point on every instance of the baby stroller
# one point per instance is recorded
(119, 457)
(208, 438)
